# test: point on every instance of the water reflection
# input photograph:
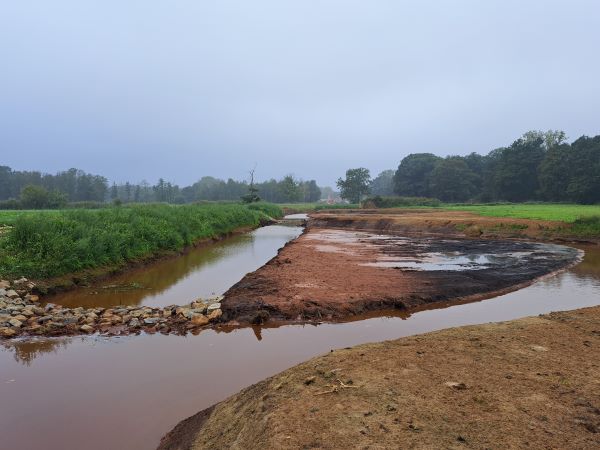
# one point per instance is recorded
(589, 268)
(202, 272)
(26, 351)
(134, 389)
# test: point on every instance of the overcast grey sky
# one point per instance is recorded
(140, 89)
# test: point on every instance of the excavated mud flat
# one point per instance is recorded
(332, 274)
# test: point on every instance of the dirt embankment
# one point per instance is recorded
(349, 264)
(528, 383)
(444, 223)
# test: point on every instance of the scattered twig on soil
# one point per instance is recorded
(337, 388)
(345, 386)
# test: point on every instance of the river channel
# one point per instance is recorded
(206, 271)
(126, 392)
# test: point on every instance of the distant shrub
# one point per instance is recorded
(396, 202)
(37, 197)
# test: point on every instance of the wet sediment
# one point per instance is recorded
(336, 273)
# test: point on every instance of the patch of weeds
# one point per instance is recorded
(586, 226)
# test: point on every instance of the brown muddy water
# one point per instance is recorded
(126, 392)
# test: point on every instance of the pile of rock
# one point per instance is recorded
(21, 314)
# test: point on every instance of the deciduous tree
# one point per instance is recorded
(356, 184)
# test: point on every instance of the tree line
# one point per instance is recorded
(75, 184)
(539, 166)
(286, 190)
(33, 189)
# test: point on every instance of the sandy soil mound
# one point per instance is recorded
(528, 383)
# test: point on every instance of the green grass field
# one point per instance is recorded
(560, 212)
(46, 244)
(584, 220)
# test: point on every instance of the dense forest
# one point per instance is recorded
(75, 184)
(540, 166)
(32, 189)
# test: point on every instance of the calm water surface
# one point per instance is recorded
(202, 272)
(126, 392)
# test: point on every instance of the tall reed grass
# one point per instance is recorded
(41, 245)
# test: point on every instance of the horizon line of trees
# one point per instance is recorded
(33, 189)
(539, 166)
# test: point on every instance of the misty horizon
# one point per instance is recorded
(143, 91)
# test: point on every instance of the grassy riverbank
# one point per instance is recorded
(47, 244)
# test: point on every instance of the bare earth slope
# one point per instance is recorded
(528, 383)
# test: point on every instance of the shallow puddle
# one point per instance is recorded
(202, 272)
(432, 254)
(435, 261)
(105, 393)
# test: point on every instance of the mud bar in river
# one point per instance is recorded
(337, 270)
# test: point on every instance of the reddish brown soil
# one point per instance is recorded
(528, 383)
(440, 222)
(325, 273)
(302, 281)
